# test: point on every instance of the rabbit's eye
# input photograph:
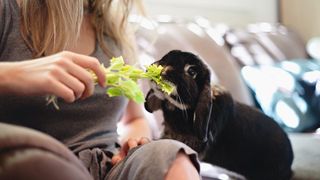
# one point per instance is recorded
(191, 71)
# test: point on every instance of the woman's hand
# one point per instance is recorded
(131, 143)
(63, 74)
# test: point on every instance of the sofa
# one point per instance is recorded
(228, 51)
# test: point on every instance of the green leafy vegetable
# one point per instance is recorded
(154, 73)
(121, 80)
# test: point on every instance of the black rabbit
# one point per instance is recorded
(224, 132)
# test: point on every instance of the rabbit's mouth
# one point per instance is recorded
(174, 98)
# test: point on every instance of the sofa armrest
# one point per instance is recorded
(306, 162)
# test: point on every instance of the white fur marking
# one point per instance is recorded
(177, 104)
(159, 94)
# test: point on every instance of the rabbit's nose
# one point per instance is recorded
(165, 70)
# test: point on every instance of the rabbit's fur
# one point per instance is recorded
(224, 132)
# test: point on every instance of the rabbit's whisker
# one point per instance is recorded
(184, 112)
(188, 91)
(177, 104)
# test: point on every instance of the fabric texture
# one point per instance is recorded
(21, 146)
(23, 152)
(150, 161)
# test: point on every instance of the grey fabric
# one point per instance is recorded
(80, 125)
(12, 47)
(15, 138)
(97, 161)
(151, 161)
(18, 144)
(24, 151)
(38, 164)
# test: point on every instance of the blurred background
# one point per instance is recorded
(266, 53)
(302, 15)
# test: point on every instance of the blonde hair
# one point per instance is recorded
(48, 26)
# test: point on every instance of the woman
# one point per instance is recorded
(46, 48)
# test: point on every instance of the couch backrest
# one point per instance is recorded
(192, 38)
(264, 43)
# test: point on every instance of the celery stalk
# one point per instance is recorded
(121, 80)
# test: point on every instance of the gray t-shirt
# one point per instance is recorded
(83, 124)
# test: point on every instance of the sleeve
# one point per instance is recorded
(4, 21)
(2, 10)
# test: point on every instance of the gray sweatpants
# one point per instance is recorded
(150, 161)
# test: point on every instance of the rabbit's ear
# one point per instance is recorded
(152, 103)
(202, 113)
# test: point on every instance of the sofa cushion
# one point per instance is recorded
(306, 163)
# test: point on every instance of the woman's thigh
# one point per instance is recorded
(151, 161)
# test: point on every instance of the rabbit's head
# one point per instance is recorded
(188, 108)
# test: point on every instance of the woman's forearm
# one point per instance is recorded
(63, 74)
(6, 75)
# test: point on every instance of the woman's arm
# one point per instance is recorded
(63, 74)
(135, 131)
(133, 124)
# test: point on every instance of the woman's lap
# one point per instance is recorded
(151, 161)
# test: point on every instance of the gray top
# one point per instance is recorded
(83, 124)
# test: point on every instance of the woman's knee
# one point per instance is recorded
(153, 160)
(182, 168)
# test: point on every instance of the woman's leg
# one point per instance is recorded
(182, 168)
(157, 160)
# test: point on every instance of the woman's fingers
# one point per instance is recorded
(76, 85)
(83, 76)
(130, 144)
(64, 74)
(116, 159)
(90, 63)
(78, 65)
(61, 90)
(143, 141)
